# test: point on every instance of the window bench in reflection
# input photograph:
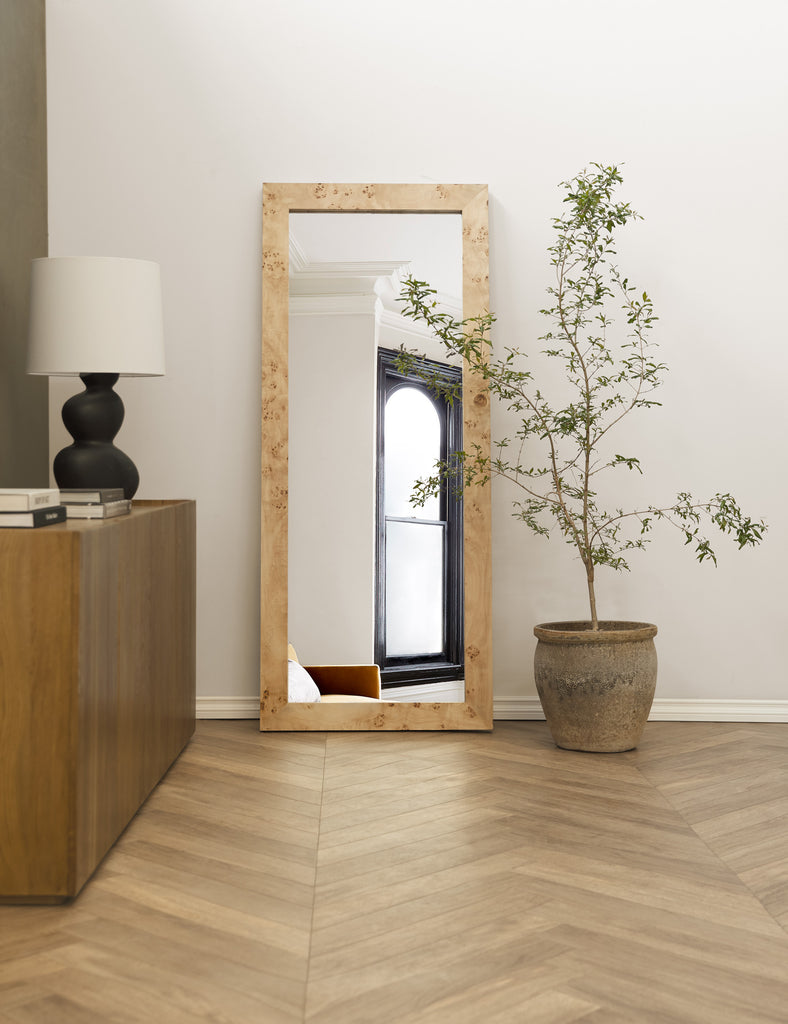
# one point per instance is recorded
(331, 684)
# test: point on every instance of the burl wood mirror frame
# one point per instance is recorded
(276, 714)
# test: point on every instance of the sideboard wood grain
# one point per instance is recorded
(97, 686)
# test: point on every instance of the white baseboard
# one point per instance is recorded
(228, 707)
(664, 710)
(528, 709)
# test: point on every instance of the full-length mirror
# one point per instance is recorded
(352, 573)
(373, 578)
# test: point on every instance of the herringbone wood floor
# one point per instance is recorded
(430, 879)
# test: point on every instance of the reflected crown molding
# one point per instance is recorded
(302, 268)
(361, 287)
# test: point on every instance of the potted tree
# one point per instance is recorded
(595, 678)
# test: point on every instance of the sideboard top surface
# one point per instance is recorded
(138, 508)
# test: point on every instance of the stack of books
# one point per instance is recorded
(43, 506)
(30, 506)
(95, 502)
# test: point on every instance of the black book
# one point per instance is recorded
(89, 495)
(38, 517)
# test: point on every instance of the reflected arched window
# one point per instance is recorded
(419, 577)
(412, 431)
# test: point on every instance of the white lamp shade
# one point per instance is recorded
(95, 314)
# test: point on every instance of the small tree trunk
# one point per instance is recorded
(592, 595)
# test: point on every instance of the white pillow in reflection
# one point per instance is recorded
(301, 686)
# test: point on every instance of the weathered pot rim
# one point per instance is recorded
(610, 632)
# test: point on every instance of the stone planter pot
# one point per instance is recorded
(596, 686)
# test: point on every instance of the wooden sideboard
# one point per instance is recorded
(97, 686)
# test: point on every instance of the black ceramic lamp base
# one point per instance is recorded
(93, 418)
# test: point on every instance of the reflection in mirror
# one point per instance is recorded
(420, 548)
(412, 608)
(413, 446)
(372, 576)
(323, 510)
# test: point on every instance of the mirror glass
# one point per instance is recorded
(331, 388)
(355, 574)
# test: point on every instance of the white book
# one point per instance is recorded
(107, 510)
(27, 499)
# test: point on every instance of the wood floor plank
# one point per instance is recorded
(234, 892)
(221, 975)
(416, 919)
(420, 878)
(645, 888)
(199, 863)
(407, 983)
(690, 1000)
(502, 1002)
(196, 907)
(195, 997)
(335, 905)
(180, 833)
(136, 930)
(360, 875)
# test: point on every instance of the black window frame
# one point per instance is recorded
(450, 664)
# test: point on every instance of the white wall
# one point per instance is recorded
(165, 116)
(331, 494)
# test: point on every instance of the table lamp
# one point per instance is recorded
(99, 317)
